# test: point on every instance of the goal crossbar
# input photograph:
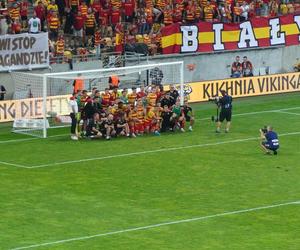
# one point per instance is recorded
(136, 67)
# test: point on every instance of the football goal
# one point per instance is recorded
(41, 98)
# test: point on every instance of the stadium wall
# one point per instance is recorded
(194, 91)
(208, 66)
(211, 66)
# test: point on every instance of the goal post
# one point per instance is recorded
(42, 98)
(44, 108)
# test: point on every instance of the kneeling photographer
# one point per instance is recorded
(270, 141)
(225, 103)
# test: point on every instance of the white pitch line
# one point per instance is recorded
(13, 164)
(153, 151)
(19, 140)
(201, 119)
(158, 225)
(290, 113)
(30, 139)
(254, 113)
(143, 152)
(25, 139)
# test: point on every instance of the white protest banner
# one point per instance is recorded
(24, 51)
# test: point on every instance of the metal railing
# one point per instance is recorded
(108, 59)
(74, 58)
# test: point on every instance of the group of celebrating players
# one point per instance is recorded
(116, 113)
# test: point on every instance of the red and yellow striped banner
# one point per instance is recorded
(206, 37)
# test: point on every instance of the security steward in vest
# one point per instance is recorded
(78, 84)
(114, 82)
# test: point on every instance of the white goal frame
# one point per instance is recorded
(136, 68)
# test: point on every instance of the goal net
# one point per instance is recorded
(42, 99)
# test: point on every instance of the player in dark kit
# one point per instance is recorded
(110, 127)
(225, 103)
(270, 141)
(166, 123)
(188, 115)
(122, 127)
(93, 127)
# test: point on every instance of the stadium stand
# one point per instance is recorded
(81, 29)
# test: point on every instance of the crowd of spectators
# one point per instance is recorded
(86, 26)
(241, 69)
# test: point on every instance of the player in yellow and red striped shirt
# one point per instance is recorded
(151, 121)
(152, 97)
(106, 98)
(139, 125)
(132, 120)
(132, 97)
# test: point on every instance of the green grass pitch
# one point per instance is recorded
(52, 200)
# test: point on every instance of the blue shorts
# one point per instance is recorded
(268, 146)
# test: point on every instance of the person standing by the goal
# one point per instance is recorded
(225, 103)
(73, 114)
(2, 92)
(156, 76)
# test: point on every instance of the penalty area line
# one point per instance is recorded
(13, 164)
(18, 140)
(198, 119)
(256, 113)
(158, 225)
(154, 151)
(289, 113)
(31, 139)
